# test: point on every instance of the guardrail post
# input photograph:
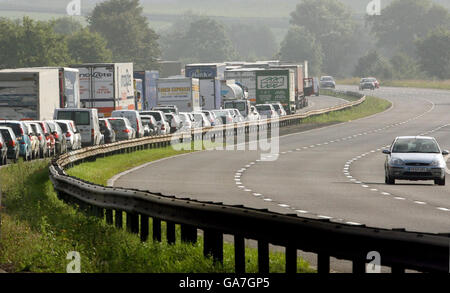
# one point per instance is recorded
(156, 229)
(213, 245)
(144, 228)
(359, 266)
(119, 219)
(188, 234)
(397, 269)
(239, 254)
(323, 263)
(132, 223)
(170, 232)
(109, 217)
(263, 257)
(291, 259)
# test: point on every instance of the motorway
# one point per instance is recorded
(334, 172)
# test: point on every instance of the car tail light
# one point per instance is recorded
(163, 127)
(92, 132)
(137, 123)
(126, 131)
(12, 143)
(1, 145)
(68, 134)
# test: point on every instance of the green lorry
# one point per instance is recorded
(276, 85)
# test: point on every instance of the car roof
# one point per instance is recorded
(409, 137)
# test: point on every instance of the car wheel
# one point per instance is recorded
(440, 181)
(388, 180)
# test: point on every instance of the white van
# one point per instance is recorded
(135, 120)
(86, 120)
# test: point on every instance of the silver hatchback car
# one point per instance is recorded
(415, 158)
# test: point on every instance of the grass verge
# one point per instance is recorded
(370, 106)
(428, 84)
(38, 230)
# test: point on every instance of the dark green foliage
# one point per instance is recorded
(300, 45)
(373, 64)
(127, 32)
(434, 53)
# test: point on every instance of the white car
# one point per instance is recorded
(266, 111)
(415, 158)
(280, 109)
(163, 124)
(73, 136)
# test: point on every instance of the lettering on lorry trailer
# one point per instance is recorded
(107, 87)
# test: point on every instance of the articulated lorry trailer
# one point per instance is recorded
(300, 100)
(29, 93)
(276, 85)
(183, 92)
(106, 87)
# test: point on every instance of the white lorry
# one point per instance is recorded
(183, 92)
(106, 87)
(29, 93)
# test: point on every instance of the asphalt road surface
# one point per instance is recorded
(333, 172)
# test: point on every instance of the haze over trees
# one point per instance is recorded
(127, 32)
(300, 45)
(408, 40)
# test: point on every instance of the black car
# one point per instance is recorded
(12, 143)
(107, 131)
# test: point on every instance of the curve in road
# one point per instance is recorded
(333, 172)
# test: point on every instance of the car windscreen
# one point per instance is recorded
(155, 115)
(79, 117)
(6, 135)
(63, 126)
(14, 126)
(276, 107)
(117, 123)
(263, 108)
(415, 145)
(222, 113)
(235, 105)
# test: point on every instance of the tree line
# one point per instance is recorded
(410, 39)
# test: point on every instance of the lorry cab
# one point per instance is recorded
(242, 105)
(86, 120)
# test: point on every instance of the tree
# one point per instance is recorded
(127, 32)
(203, 40)
(373, 64)
(66, 25)
(88, 47)
(29, 43)
(300, 45)
(332, 25)
(434, 53)
(404, 67)
(253, 41)
(403, 21)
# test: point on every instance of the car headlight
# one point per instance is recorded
(435, 163)
(397, 162)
